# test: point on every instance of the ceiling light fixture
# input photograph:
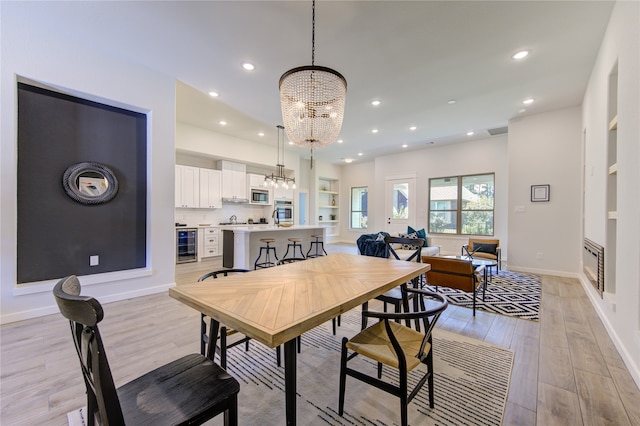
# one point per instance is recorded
(223, 123)
(374, 131)
(404, 145)
(312, 100)
(213, 94)
(247, 66)
(521, 54)
(348, 160)
(470, 133)
(451, 101)
(279, 179)
(360, 154)
(412, 128)
(528, 101)
(375, 103)
(340, 141)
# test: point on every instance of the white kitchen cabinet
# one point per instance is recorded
(281, 193)
(187, 186)
(210, 189)
(234, 181)
(255, 180)
(208, 243)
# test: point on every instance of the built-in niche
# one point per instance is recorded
(60, 135)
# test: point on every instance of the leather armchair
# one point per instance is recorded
(455, 273)
(483, 248)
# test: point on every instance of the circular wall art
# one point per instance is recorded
(90, 183)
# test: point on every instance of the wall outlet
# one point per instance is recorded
(539, 256)
(94, 260)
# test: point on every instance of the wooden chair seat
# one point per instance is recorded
(374, 342)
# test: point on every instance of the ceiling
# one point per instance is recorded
(413, 56)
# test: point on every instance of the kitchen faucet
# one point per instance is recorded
(233, 219)
(274, 215)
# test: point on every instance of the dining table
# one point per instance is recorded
(276, 305)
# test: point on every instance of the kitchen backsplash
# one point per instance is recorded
(242, 211)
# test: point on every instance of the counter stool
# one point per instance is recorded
(294, 242)
(267, 262)
(318, 243)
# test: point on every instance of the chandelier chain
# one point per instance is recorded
(313, 33)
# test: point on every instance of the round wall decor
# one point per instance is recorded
(90, 183)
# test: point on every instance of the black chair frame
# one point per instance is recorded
(212, 391)
(429, 318)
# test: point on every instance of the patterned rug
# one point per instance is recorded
(471, 383)
(508, 293)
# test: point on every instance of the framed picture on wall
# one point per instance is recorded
(540, 193)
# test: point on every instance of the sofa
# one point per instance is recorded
(373, 245)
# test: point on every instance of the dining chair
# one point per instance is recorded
(206, 323)
(395, 345)
(412, 250)
(157, 397)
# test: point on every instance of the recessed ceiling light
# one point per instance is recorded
(348, 160)
(222, 123)
(404, 145)
(528, 101)
(260, 133)
(451, 101)
(360, 154)
(375, 103)
(520, 111)
(213, 94)
(412, 128)
(340, 141)
(247, 66)
(290, 143)
(521, 54)
(470, 133)
(374, 131)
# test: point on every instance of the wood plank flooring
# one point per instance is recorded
(566, 369)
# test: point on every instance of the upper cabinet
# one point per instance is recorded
(187, 187)
(234, 181)
(255, 180)
(281, 193)
(197, 188)
(210, 189)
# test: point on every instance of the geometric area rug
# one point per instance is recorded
(509, 293)
(471, 383)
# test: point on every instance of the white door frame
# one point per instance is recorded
(394, 226)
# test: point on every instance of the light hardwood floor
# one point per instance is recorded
(566, 369)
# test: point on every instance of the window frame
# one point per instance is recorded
(352, 211)
(459, 210)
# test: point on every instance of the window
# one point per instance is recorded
(359, 206)
(462, 205)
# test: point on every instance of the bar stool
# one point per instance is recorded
(267, 262)
(294, 242)
(318, 244)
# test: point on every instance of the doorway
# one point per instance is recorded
(400, 203)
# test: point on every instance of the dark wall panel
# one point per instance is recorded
(57, 235)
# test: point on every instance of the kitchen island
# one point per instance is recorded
(244, 242)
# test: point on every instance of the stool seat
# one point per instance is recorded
(268, 263)
(294, 242)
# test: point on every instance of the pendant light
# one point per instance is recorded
(312, 100)
(279, 178)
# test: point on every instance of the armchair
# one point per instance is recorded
(455, 273)
(485, 248)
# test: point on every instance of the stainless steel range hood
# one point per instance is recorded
(235, 200)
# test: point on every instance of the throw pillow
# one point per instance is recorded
(421, 234)
(412, 236)
(485, 248)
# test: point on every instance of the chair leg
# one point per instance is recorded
(379, 370)
(430, 379)
(299, 341)
(231, 414)
(223, 347)
(278, 356)
(365, 307)
(343, 376)
(404, 400)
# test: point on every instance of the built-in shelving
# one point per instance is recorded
(612, 186)
(328, 205)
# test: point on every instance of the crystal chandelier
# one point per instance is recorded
(312, 100)
(279, 179)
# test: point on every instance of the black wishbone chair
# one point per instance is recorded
(157, 397)
(398, 346)
(412, 250)
(206, 347)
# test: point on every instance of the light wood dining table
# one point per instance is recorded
(276, 305)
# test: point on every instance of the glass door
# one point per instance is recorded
(400, 204)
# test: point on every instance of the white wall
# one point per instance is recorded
(620, 312)
(31, 48)
(546, 149)
(476, 157)
(358, 174)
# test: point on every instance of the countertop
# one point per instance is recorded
(268, 228)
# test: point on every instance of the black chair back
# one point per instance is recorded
(84, 313)
(414, 244)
